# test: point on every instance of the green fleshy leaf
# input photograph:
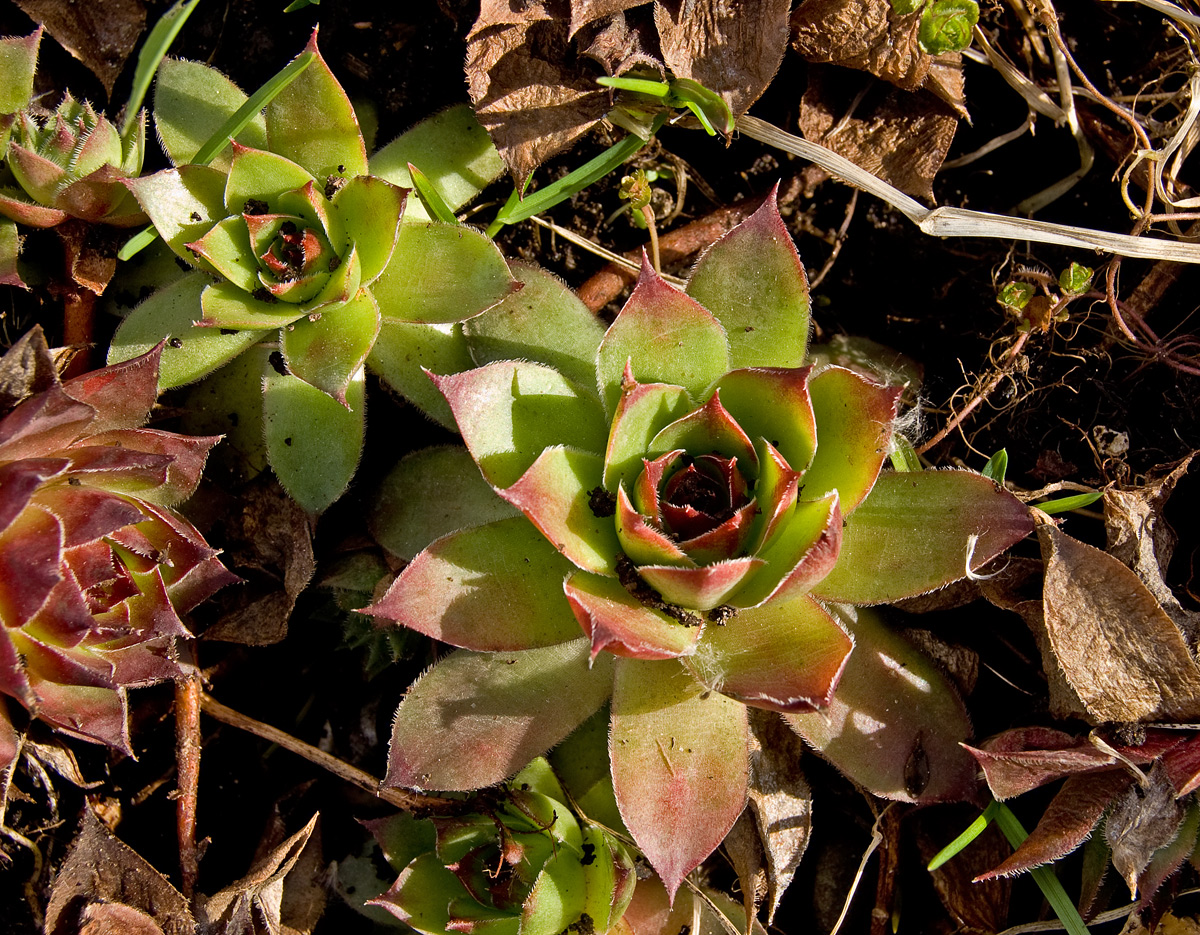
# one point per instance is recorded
(509, 411)
(402, 838)
(259, 175)
(226, 247)
(182, 204)
(453, 151)
(430, 493)
(332, 145)
(169, 313)
(996, 467)
(223, 305)
(946, 26)
(557, 896)
(680, 764)
(752, 280)
(18, 63)
(617, 622)
(666, 336)
(191, 102)
(774, 404)
(610, 877)
(229, 402)
(475, 719)
(854, 430)
(643, 411)
(10, 246)
(545, 322)
(709, 428)
(402, 349)
(919, 531)
(1066, 504)
(314, 442)
(441, 273)
(895, 723)
(422, 896)
(581, 764)
(369, 211)
(328, 351)
(491, 588)
(801, 552)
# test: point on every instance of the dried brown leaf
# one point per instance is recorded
(1120, 652)
(1066, 823)
(117, 919)
(946, 82)
(586, 12)
(101, 35)
(530, 90)
(26, 368)
(745, 851)
(268, 541)
(982, 906)
(102, 871)
(730, 47)
(780, 801)
(255, 904)
(1012, 772)
(627, 40)
(862, 34)
(899, 136)
(1142, 821)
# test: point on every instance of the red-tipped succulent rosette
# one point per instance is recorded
(95, 567)
(681, 527)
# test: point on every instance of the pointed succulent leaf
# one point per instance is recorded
(260, 175)
(802, 553)
(38, 176)
(918, 531)
(404, 351)
(618, 623)
(313, 441)
(700, 588)
(854, 419)
(476, 718)
(556, 897)
(43, 423)
(543, 321)
(776, 493)
(666, 336)
(509, 411)
(182, 204)
(332, 145)
(774, 403)
(226, 247)
(191, 102)
(369, 211)
(325, 350)
(225, 306)
(784, 656)
(18, 62)
(122, 394)
(30, 554)
(679, 764)
(428, 494)
(643, 410)
(752, 280)
(895, 722)
(184, 456)
(441, 273)
(709, 429)
(641, 541)
(610, 878)
(101, 197)
(16, 206)
(452, 149)
(555, 493)
(422, 895)
(191, 352)
(10, 246)
(490, 588)
(19, 480)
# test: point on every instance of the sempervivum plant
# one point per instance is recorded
(515, 862)
(95, 566)
(309, 259)
(688, 506)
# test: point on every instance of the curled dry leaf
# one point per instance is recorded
(862, 34)
(101, 35)
(1121, 654)
(26, 368)
(104, 882)
(1142, 821)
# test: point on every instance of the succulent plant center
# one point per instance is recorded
(703, 495)
(294, 258)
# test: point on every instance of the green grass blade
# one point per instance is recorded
(904, 456)
(974, 830)
(997, 466)
(137, 243)
(153, 49)
(1066, 504)
(256, 102)
(1049, 884)
(434, 203)
(577, 181)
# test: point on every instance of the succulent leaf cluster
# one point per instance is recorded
(684, 506)
(95, 565)
(520, 863)
(309, 257)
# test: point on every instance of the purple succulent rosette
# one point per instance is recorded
(686, 530)
(95, 566)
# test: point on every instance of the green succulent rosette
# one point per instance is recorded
(295, 247)
(674, 514)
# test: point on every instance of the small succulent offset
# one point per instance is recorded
(309, 257)
(514, 862)
(95, 566)
(692, 498)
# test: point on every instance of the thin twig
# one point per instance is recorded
(187, 758)
(401, 798)
(876, 839)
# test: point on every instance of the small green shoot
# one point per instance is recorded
(300, 5)
(996, 467)
(434, 203)
(1075, 279)
(1066, 504)
(973, 830)
(153, 49)
(1015, 295)
(228, 130)
(706, 106)
(903, 456)
(946, 26)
